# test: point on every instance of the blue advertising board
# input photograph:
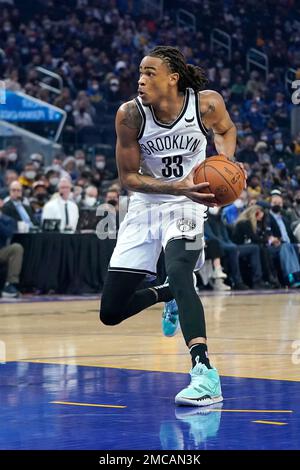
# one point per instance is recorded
(19, 107)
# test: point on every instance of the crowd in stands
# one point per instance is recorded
(28, 194)
(96, 46)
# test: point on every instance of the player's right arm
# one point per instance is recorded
(128, 124)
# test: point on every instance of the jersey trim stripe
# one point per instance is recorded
(130, 270)
(142, 113)
(198, 114)
(183, 237)
(182, 112)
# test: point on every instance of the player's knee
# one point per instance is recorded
(179, 276)
(176, 269)
(109, 317)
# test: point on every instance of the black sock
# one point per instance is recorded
(200, 350)
(163, 293)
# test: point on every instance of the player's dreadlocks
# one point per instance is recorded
(190, 76)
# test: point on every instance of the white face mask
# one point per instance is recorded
(100, 165)
(90, 201)
(279, 147)
(239, 203)
(53, 181)
(56, 167)
(12, 157)
(214, 210)
(80, 162)
(30, 175)
(114, 87)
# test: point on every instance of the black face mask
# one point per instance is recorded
(297, 201)
(276, 209)
(112, 202)
(41, 197)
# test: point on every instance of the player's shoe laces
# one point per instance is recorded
(204, 389)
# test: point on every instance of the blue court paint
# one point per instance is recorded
(150, 419)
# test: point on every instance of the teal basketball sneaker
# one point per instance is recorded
(204, 388)
(170, 317)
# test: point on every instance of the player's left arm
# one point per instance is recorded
(216, 117)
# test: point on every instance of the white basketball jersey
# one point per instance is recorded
(169, 152)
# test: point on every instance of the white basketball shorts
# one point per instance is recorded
(147, 228)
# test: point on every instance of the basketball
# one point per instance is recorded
(225, 177)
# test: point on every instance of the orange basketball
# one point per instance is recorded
(226, 179)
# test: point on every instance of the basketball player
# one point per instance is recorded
(161, 139)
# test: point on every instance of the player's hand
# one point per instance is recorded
(208, 199)
(193, 191)
(241, 165)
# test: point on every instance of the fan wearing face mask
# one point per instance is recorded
(28, 176)
(39, 198)
(38, 161)
(279, 223)
(230, 213)
(294, 214)
(282, 240)
(13, 162)
(87, 210)
(113, 93)
(101, 173)
(90, 198)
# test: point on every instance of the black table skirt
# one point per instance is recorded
(64, 263)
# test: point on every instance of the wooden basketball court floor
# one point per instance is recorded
(69, 382)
